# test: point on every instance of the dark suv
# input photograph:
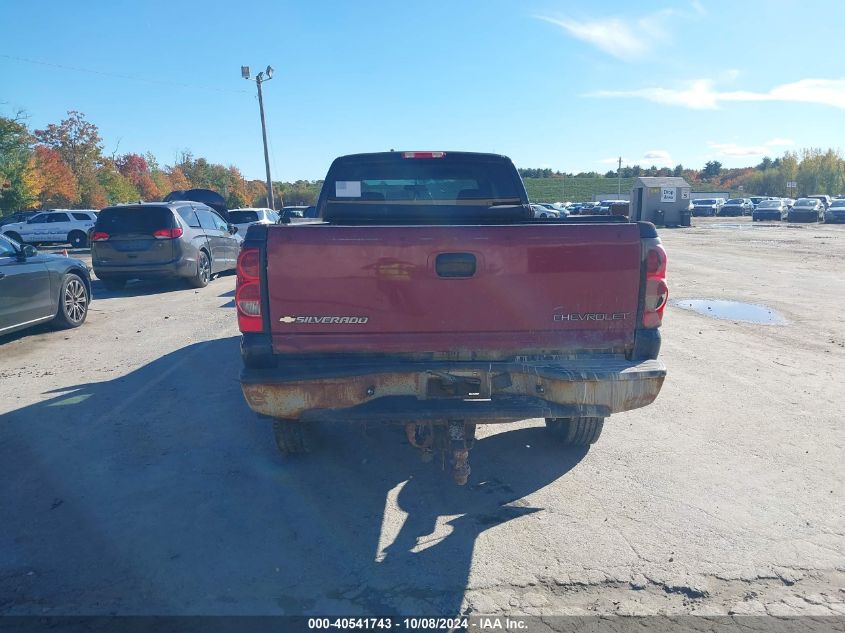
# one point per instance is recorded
(736, 207)
(161, 240)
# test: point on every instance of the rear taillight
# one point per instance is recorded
(656, 290)
(248, 292)
(99, 236)
(167, 234)
(423, 154)
(248, 262)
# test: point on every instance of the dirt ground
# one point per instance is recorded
(137, 481)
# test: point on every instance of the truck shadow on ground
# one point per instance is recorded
(159, 492)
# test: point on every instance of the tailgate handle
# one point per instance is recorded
(455, 265)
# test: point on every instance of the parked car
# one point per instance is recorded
(20, 216)
(590, 208)
(823, 198)
(806, 210)
(162, 240)
(344, 337)
(59, 226)
(604, 206)
(788, 202)
(310, 212)
(736, 207)
(40, 288)
(575, 208)
(541, 211)
(770, 210)
(836, 212)
(290, 213)
(707, 207)
(559, 210)
(244, 218)
(756, 200)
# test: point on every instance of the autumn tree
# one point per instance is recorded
(80, 147)
(158, 175)
(135, 169)
(55, 182)
(115, 186)
(178, 179)
(16, 187)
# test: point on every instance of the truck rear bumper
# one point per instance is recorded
(440, 391)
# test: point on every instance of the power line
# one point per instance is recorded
(163, 82)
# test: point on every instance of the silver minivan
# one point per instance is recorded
(158, 240)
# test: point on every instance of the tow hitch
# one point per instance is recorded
(455, 438)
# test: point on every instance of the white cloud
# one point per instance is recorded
(656, 157)
(700, 94)
(732, 149)
(624, 38)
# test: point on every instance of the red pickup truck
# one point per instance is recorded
(426, 294)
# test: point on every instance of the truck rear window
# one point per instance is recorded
(422, 180)
(143, 220)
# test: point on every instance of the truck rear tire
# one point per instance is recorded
(575, 431)
(290, 437)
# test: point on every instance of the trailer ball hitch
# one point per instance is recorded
(456, 439)
(461, 439)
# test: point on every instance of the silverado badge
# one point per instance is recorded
(325, 320)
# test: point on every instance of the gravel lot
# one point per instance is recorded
(137, 481)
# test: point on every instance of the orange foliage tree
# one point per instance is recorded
(53, 179)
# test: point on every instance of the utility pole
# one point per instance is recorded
(619, 177)
(260, 78)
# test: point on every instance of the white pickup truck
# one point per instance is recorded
(62, 226)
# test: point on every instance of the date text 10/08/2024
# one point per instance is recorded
(490, 623)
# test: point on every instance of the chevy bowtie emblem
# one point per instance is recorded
(288, 319)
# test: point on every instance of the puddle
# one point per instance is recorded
(731, 310)
(733, 225)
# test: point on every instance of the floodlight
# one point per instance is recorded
(245, 72)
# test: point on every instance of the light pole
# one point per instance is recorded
(260, 78)
(619, 177)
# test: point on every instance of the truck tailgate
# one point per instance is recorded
(411, 289)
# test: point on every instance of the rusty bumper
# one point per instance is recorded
(440, 391)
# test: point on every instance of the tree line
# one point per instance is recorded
(64, 165)
(812, 170)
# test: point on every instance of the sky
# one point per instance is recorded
(561, 84)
